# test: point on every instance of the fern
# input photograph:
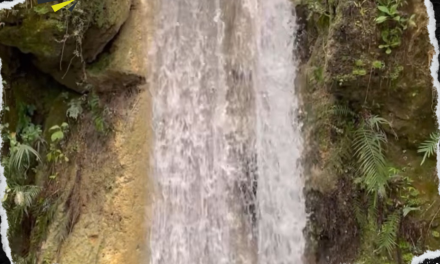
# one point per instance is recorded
(94, 102)
(97, 113)
(21, 157)
(23, 199)
(27, 193)
(341, 110)
(388, 233)
(368, 149)
(429, 147)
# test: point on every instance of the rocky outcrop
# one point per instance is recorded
(100, 209)
(66, 45)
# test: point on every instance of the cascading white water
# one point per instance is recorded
(224, 117)
(279, 142)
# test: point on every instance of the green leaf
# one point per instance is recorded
(54, 128)
(64, 125)
(411, 21)
(49, 157)
(58, 135)
(388, 51)
(21, 157)
(388, 233)
(384, 9)
(381, 19)
(429, 147)
(407, 210)
(393, 10)
(360, 72)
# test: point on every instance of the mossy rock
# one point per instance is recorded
(123, 65)
(40, 32)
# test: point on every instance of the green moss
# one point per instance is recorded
(344, 78)
(42, 9)
(35, 36)
(102, 63)
(100, 17)
(56, 116)
(105, 13)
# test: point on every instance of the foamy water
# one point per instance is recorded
(227, 143)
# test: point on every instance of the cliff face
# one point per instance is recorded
(77, 108)
(369, 104)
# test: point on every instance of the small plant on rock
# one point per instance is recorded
(429, 147)
(55, 154)
(394, 21)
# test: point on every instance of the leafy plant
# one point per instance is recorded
(21, 157)
(378, 65)
(55, 154)
(31, 135)
(407, 209)
(368, 150)
(24, 114)
(396, 23)
(391, 38)
(75, 108)
(429, 147)
(318, 8)
(318, 74)
(360, 72)
(388, 233)
(97, 113)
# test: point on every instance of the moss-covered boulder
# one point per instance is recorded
(63, 44)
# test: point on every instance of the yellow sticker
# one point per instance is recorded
(61, 5)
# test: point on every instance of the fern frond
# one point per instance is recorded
(22, 157)
(388, 233)
(339, 110)
(28, 193)
(23, 199)
(368, 149)
(376, 121)
(429, 147)
(94, 101)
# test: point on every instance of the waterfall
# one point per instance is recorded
(227, 143)
(279, 142)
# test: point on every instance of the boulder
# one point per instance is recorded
(63, 43)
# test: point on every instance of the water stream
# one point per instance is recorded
(227, 142)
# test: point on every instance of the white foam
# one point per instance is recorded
(4, 218)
